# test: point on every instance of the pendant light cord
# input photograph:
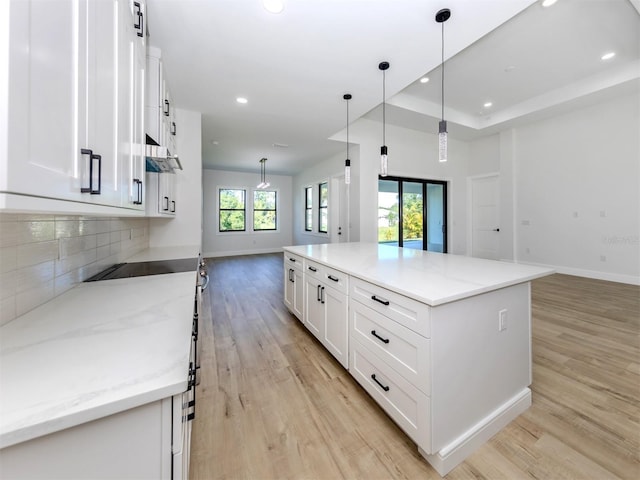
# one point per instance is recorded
(442, 70)
(384, 96)
(347, 129)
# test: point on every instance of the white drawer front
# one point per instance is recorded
(293, 261)
(336, 279)
(404, 310)
(404, 350)
(313, 270)
(403, 402)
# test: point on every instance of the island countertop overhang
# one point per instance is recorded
(429, 277)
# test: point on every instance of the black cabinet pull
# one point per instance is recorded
(331, 277)
(318, 293)
(138, 185)
(384, 387)
(166, 204)
(291, 275)
(173, 206)
(173, 128)
(384, 302)
(92, 189)
(86, 151)
(384, 340)
(166, 104)
(313, 269)
(140, 25)
(292, 260)
(321, 294)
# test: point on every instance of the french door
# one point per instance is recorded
(412, 213)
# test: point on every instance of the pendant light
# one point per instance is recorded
(383, 149)
(263, 175)
(441, 17)
(347, 162)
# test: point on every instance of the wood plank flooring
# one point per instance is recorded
(274, 404)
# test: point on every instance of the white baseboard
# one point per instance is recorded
(254, 251)
(579, 272)
(453, 454)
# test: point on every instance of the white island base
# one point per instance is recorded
(441, 342)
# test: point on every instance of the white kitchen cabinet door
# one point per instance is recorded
(160, 194)
(336, 324)
(294, 291)
(313, 308)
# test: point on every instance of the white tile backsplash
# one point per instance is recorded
(42, 256)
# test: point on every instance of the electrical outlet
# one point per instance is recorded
(502, 320)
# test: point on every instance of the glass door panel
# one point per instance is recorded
(435, 217)
(388, 211)
(412, 215)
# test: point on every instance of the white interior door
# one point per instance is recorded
(485, 217)
(339, 215)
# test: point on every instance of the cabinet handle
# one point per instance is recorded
(384, 302)
(318, 298)
(322, 295)
(313, 269)
(291, 275)
(292, 260)
(138, 185)
(92, 157)
(173, 128)
(166, 104)
(383, 340)
(140, 25)
(166, 206)
(331, 277)
(384, 387)
(86, 151)
(173, 206)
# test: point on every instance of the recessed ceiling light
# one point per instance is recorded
(487, 104)
(241, 100)
(608, 56)
(548, 3)
(424, 79)
(273, 6)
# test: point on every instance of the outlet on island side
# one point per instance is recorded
(502, 320)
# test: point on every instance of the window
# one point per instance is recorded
(232, 213)
(264, 210)
(308, 209)
(323, 208)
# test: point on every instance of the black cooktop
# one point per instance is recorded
(141, 269)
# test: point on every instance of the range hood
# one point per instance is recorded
(159, 159)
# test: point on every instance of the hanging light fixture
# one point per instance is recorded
(263, 175)
(383, 149)
(441, 17)
(347, 162)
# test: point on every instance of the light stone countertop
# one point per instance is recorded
(98, 349)
(429, 277)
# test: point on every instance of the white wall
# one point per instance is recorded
(186, 228)
(577, 191)
(216, 244)
(323, 172)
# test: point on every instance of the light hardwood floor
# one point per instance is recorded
(274, 404)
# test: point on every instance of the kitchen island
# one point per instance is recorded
(442, 342)
(93, 382)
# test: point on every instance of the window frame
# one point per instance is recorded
(308, 208)
(243, 210)
(274, 209)
(321, 208)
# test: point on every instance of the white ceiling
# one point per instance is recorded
(294, 67)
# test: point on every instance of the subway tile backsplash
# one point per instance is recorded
(43, 256)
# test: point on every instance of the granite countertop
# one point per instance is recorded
(98, 349)
(429, 277)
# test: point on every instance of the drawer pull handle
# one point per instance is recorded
(384, 302)
(292, 260)
(383, 340)
(331, 277)
(313, 269)
(384, 387)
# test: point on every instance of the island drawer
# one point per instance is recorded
(327, 275)
(404, 350)
(403, 402)
(412, 314)
(293, 261)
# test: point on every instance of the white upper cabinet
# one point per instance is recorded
(161, 121)
(69, 95)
